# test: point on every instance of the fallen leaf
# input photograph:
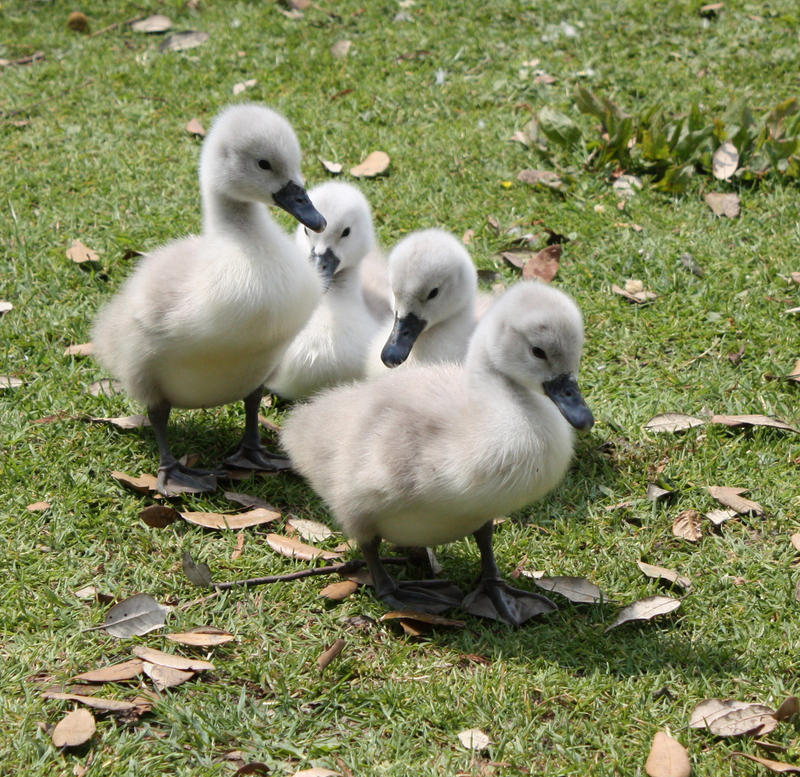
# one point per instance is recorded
(543, 265)
(10, 382)
(202, 636)
(539, 177)
(687, 526)
(788, 708)
(311, 531)
(730, 497)
(127, 670)
(709, 710)
(672, 422)
(466, 239)
(316, 771)
(332, 167)
(376, 163)
(38, 507)
(248, 500)
(165, 676)
(667, 758)
(199, 574)
(255, 517)
(135, 616)
(152, 24)
(159, 516)
(474, 739)
(181, 41)
(723, 204)
(645, 609)
(725, 161)
(656, 492)
(93, 592)
(254, 767)
(237, 551)
(710, 9)
(778, 767)
(107, 705)
(627, 185)
(795, 373)
(338, 591)
(5, 307)
(288, 546)
(80, 349)
(122, 421)
(243, 85)
(74, 729)
(330, 654)
(340, 49)
(81, 253)
(105, 388)
(730, 717)
(422, 617)
(516, 258)
(795, 540)
(576, 589)
(143, 484)
(718, 517)
(663, 573)
(753, 420)
(194, 127)
(171, 660)
(639, 297)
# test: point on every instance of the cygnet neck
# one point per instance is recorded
(242, 218)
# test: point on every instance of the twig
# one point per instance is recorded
(344, 568)
(115, 25)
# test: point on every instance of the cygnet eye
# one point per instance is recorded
(345, 231)
(538, 352)
(433, 293)
(264, 164)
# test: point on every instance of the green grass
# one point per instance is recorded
(103, 157)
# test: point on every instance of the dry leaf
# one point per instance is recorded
(576, 589)
(730, 497)
(293, 548)
(663, 573)
(687, 526)
(341, 48)
(122, 421)
(317, 771)
(107, 705)
(243, 85)
(38, 507)
(778, 767)
(474, 739)
(539, 177)
(255, 517)
(718, 517)
(330, 654)
(159, 516)
(672, 422)
(105, 387)
(171, 660)
(376, 163)
(5, 307)
(254, 767)
(639, 297)
(152, 24)
(199, 574)
(795, 540)
(422, 617)
(10, 382)
(332, 167)
(711, 8)
(709, 711)
(165, 676)
(248, 500)
(181, 41)
(753, 420)
(338, 591)
(667, 758)
(143, 484)
(81, 349)
(202, 636)
(748, 721)
(135, 616)
(81, 253)
(723, 204)
(543, 265)
(74, 729)
(237, 551)
(788, 709)
(93, 592)
(127, 670)
(311, 531)
(645, 609)
(194, 127)
(725, 161)
(656, 492)
(516, 258)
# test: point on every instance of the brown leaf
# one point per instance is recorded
(194, 127)
(93, 592)
(81, 349)
(748, 721)
(152, 24)
(709, 710)
(159, 516)
(127, 670)
(687, 526)
(311, 531)
(474, 739)
(334, 168)
(171, 660)
(202, 636)
(516, 258)
(5, 307)
(723, 204)
(638, 296)
(729, 497)
(795, 374)
(316, 771)
(38, 507)
(795, 540)
(718, 517)
(74, 729)
(293, 548)
(788, 709)
(122, 421)
(255, 517)
(543, 265)
(672, 422)
(106, 705)
(778, 767)
(753, 420)
(105, 387)
(645, 609)
(725, 161)
(10, 382)
(330, 654)
(655, 492)
(81, 253)
(340, 49)
(376, 163)
(248, 500)
(576, 589)
(243, 85)
(663, 573)
(539, 177)
(667, 758)
(237, 551)
(165, 676)
(422, 617)
(181, 41)
(710, 9)
(338, 591)
(143, 484)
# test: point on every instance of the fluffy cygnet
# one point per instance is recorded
(203, 320)
(332, 347)
(434, 286)
(429, 454)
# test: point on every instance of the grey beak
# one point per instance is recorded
(401, 340)
(293, 199)
(564, 391)
(326, 264)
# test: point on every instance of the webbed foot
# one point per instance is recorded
(496, 599)
(433, 596)
(176, 478)
(257, 458)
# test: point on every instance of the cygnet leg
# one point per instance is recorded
(250, 453)
(494, 598)
(433, 596)
(173, 477)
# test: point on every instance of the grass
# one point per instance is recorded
(103, 157)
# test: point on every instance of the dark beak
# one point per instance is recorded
(401, 339)
(293, 199)
(326, 265)
(564, 391)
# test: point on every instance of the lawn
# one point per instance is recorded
(93, 147)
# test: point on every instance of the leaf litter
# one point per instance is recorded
(731, 497)
(723, 204)
(336, 592)
(673, 422)
(157, 23)
(159, 516)
(311, 531)
(474, 739)
(202, 636)
(664, 573)
(376, 163)
(199, 574)
(328, 656)
(778, 767)
(687, 526)
(95, 702)
(164, 677)
(730, 717)
(255, 517)
(79, 349)
(667, 758)
(82, 255)
(288, 546)
(576, 589)
(635, 292)
(135, 616)
(645, 609)
(182, 41)
(74, 729)
(171, 660)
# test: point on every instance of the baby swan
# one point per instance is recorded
(426, 455)
(203, 320)
(332, 347)
(434, 284)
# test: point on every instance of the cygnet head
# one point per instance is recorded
(350, 233)
(533, 335)
(251, 154)
(433, 279)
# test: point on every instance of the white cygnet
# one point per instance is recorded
(203, 320)
(430, 454)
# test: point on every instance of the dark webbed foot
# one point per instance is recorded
(257, 458)
(498, 600)
(433, 596)
(175, 478)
